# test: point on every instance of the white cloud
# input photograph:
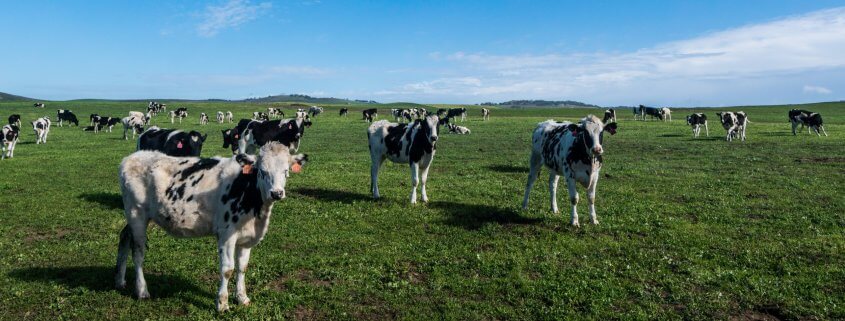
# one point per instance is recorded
(816, 90)
(229, 15)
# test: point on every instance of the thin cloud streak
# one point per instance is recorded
(229, 15)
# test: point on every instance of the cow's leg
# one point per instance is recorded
(415, 178)
(377, 160)
(707, 130)
(591, 198)
(534, 163)
(242, 254)
(553, 178)
(573, 200)
(124, 247)
(794, 126)
(822, 128)
(226, 249)
(424, 177)
(139, 247)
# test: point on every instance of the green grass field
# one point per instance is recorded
(690, 228)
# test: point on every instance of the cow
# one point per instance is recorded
(38, 105)
(10, 140)
(180, 113)
(571, 150)
(15, 119)
(735, 124)
(230, 139)
(63, 115)
(230, 117)
(315, 110)
(229, 198)
(273, 112)
(454, 112)
(609, 116)
(651, 111)
(370, 114)
(255, 133)
(203, 119)
(441, 112)
(260, 116)
(413, 143)
(344, 112)
(95, 118)
(638, 113)
(41, 126)
(220, 117)
(696, 121)
(105, 122)
(799, 117)
(814, 121)
(667, 113)
(172, 142)
(485, 114)
(134, 123)
(398, 114)
(455, 129)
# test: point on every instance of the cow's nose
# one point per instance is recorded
(434, 138)
(597, 150)
(277, 195)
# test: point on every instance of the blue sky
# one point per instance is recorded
(674, 53)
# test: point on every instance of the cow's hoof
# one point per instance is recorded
(595, 222)
(576, 224)
(120, 285)
(222, 307)
(143, 295)
(244, 302)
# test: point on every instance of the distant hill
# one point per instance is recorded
(539, 103)
(306, 99)
(10, 97)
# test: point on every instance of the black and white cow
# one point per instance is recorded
(460, 130)
(95, 118)
(571, 150)
(180, 113)
(609, 116)
(799, 117)
(260, 116)
(735, 124)
(220, 117)
(230, 139)
(10, 140)
(696, 121)
(485, 114)
(815, 123)
(370, 114)
(454, 112)
(273, 112)
(41, 126)
(64, 115)
(651, 111)
(15, 119)
(254, 133)
(638, 113)
(228, 198)
(105, 123)
(230, 117)
(441, 112)
(315, 110)
(344, 112)
(172, 142)
(203, 119)
(667, 113)
(38, 105)
(133, 123)
(412, 143)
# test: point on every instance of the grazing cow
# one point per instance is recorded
(735, 124)
(220, 117)
(485, 114)
(180, 113)
(10, 139)
(105, 122)
(229, 198)
(412, 143)
(344, 112)
(230, 117)
(260, 116)
(230, 139)
(370, 114)
(95, 118)
(814, 121)
(651, 111)
(38, 105)
(172, 142)
(203, 119)
(455, 129)
(315, 110)
(638, 113)
(256, 133)
(41, 126)
(609, 116)
(573, 151)
(696, 121)
(667, 113)
(134, 123)
(15, 119)
(63, 115)
(453, 112)
(799, 117)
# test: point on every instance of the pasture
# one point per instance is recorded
(690, 228)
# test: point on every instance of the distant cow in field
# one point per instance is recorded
(228, 198)
(460, 130)
(441, 112)
(412, 144)
(105, 123)
(370, 114)
(94, 118)
(10, 140)
(315, 110)
(38, 105)
(651, 111)
(455, 112)
(203, 119)
(485, 114)
(813, 121)
(638, 113)
(609, 116)
(41, 126)
(667, 113)
(15, 119)
(172, 142)
(344, 112)
(220, 117)
(260, 116)
(133, 123)
(63, 115)
(735, 124)
(230, 117)
(289, 132)
(571, 150)
(696, 121)
(180, 113)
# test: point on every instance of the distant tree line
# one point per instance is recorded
(539, 103)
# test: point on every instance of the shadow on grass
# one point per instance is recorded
(508, 168)
(330, 195)
(673, 135)
(473, 217)
(101, 279)
(112, 201)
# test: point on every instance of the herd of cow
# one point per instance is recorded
(166, 181)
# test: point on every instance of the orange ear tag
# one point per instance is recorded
(296, 168)
(247, 169)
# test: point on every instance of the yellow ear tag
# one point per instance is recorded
(247, 169)
(296, 168)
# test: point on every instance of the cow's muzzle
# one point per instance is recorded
(597, 150)
(277, 195)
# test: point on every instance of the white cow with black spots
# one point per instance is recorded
(228, 198)
(412, 143)
(10, 140)
(41, 126)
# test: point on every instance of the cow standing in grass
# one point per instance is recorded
(573, 151)
(41, 126)
(180, 113)
(344, 112)
(485, 114)
(220, 117)
(63, 115)
(457, 112)
(10, 140)
(172, 142)
(369, 114)
(315, 110)
(133, 123)
(412, 144)
(229, 198)
(230, 117)
(203, 119)
(735, 124)
(696, 121)
(609, 116)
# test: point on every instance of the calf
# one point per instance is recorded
(10, 139)
(696, 121)
(203, 119)
(609, 115)
(315, 110)
(228, 198)
(453, 112)
(573, 151)
(15, 119)
(412, 143)
(734, 123)
(370, 114)
(485, 114)
(344, 112)
(651, 111)
(258, 133)
(63, 115)
(172, 142)
(220, 117)
(230, 117)
(230, 139)
(455, 129)
(260, 116)
(41, 126)
(132, 123)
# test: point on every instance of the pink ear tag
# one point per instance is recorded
(296, 168)
(290, 126)
(247, 169)
(179, 145)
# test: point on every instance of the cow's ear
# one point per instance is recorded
(573, 128)
(297, 161)
(204, 137)
(610, 128)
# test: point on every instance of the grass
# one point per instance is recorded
(690, 228)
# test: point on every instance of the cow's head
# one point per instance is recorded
(273, 163)
(590, 132)
(195, 141)
(430, 127)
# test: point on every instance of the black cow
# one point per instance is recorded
(651, 111)
(344, 112)
(230, 138)
(15, 119)
(454, 112)
(696, 121)
(813, 121)
(63, 115)
(442, 112)
(172, 142)
(370, 114)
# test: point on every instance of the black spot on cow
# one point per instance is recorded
(245, 194)
(234, 219)
(226, 217)
(201, 165)
(420, 145)
(393, 140)
(190, 198)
